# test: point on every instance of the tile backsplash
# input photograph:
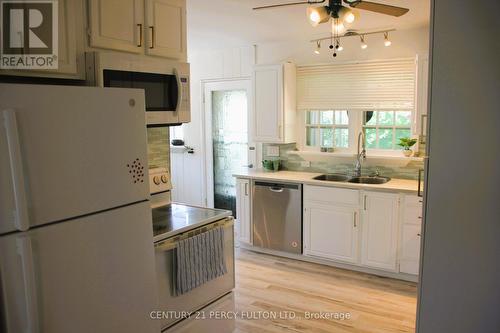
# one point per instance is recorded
(159, 147)
(293, 162)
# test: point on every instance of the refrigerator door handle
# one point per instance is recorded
(25, 251)
(16, 166)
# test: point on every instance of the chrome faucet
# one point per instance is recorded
(361, 154)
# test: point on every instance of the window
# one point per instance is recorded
(383, 129)
(176, 132)
(327, 128)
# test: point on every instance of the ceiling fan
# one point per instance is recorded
(334, 6)
(340, 14)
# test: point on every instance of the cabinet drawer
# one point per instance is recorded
(331, 195)
(412, 210)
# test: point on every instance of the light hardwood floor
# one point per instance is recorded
(268, 283)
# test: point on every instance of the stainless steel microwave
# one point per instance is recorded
(165, 83)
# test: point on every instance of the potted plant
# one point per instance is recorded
(407, 143)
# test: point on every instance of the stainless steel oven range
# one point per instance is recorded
(171, 224)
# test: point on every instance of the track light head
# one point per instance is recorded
(387, 41)
(363, 44)
(318, 47)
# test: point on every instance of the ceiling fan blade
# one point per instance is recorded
(289, 4)
(379, 8)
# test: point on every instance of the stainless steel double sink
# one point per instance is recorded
(333, 177)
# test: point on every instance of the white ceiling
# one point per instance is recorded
(220, 23)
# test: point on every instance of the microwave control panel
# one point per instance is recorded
(185, 92)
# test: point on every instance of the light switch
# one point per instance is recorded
(273, 151)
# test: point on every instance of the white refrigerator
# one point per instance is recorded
(76, 238)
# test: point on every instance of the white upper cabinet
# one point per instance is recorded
(117, 25)
(421, 94)
(380, 230)
(152, 27)
(70, 43)
(68, 31)
(166, 25)
(274, 103)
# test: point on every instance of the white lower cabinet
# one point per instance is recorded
(244, 225)
(331, 232)
(410, 249)
(411, 230)
(379, 241)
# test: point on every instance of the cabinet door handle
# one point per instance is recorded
(364, 203)
(152, 37)
(419, 191)
(355, 218)
(246, 189)
(419, 234)
(139, 25)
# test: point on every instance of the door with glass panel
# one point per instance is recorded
(228, 149)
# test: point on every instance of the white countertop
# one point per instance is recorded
(394, 185)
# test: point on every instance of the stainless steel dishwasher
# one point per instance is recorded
(277, 216)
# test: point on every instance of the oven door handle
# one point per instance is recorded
(171, 243)
(179, 90)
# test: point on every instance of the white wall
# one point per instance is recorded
(237, 62)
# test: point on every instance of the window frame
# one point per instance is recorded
(305, 125)
(394, 127)
(355, 126)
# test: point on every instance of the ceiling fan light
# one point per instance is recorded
(346, 15)
(338, 28)
(317, 15)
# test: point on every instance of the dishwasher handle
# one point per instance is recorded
(277, 187)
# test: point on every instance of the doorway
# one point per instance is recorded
(228, 150)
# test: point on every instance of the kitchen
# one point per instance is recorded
(191, 166)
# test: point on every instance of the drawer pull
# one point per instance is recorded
(419, 235)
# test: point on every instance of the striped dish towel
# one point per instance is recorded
(199, 259)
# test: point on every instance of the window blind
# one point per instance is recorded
(374, 85)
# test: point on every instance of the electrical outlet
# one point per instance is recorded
(305, 164)
(273, 151)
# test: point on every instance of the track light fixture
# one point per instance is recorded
(335, 40)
